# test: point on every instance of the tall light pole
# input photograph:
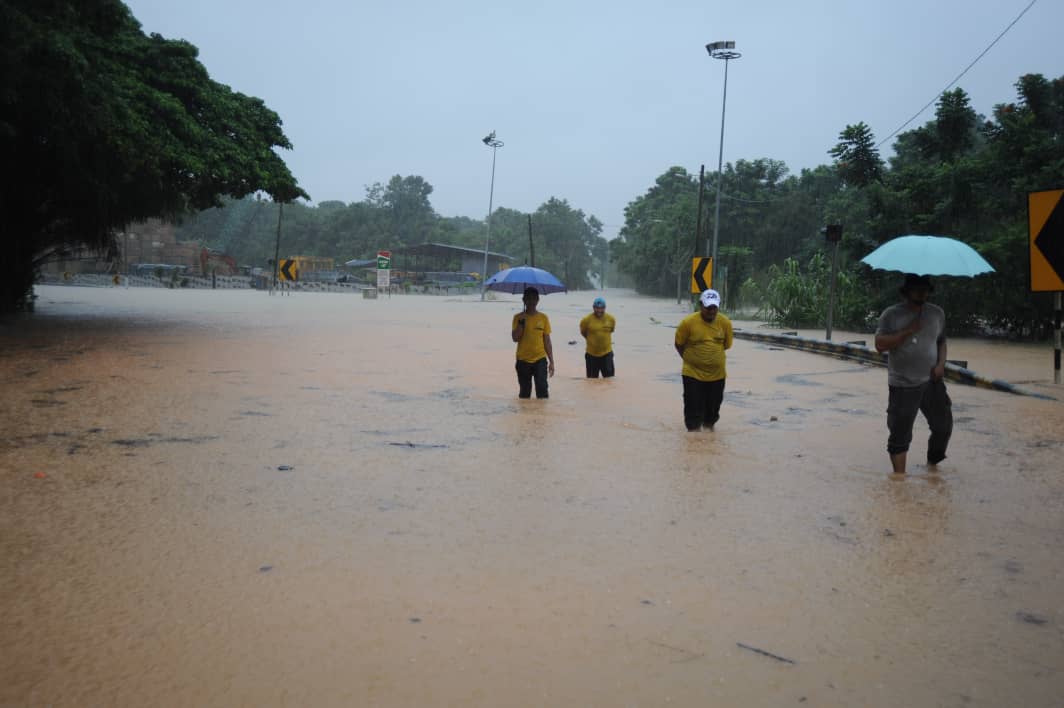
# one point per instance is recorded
(494, 143)
(725, 51)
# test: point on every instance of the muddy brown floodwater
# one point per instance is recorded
(226, 498)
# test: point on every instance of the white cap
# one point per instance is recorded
(710, 298)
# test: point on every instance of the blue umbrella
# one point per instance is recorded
(515, 280)
(928, 255)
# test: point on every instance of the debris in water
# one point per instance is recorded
(1031, 618)
(773, 419)
(415, 620)
(39, 475)
(415, 445)
(265, 568)
(762, 652)
(284, 468)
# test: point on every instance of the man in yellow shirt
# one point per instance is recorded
(597, 328)
(701, 340)
(531, 330)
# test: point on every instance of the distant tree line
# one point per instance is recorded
(959, 175)
(399, 213)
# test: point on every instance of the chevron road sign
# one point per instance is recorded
(287, 270)
(1045, 214)
(701, 274)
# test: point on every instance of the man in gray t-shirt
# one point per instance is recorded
(914, 335)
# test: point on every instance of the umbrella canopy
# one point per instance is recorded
(928, 255)
(515, 280)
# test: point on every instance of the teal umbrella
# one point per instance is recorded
(928, 255)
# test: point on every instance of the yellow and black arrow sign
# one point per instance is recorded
(1045, 214)
(701, 274)
(287, 270)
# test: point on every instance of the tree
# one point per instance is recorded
(658, 233)
(406, 201)
(102, 125)
(856, 156)
(569, 239)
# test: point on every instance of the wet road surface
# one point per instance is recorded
(226, 498)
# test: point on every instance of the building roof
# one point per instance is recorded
(443, 250)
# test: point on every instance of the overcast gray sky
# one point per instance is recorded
(596, 98)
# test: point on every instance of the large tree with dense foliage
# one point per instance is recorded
(102, 125)
(658, 237)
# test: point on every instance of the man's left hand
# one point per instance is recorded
(938, 372)
(550, 369)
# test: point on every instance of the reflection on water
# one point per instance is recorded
(322, 500)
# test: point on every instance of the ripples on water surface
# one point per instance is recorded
(223, 498)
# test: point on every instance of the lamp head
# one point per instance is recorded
(722, 50)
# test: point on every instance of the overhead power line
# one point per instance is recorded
(960, 75)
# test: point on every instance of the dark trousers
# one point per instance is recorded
(701, 402)
(526, 373)
(599, 364)
(930, 399)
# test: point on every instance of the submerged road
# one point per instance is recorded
(227, 498)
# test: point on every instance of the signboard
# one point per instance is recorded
(1045, 216)
(701, 274)
(384, 277)
(384, 260)
(287, 270)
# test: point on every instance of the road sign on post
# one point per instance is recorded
(1045, 219)
(384, 269)
(288, 270)
(1045, 214)
(701, 274)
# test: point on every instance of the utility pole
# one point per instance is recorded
(277, 248)
(833, 233)
(698, 225)
(725, 51)
(494, 143)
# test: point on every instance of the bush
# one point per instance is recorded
(800, 299)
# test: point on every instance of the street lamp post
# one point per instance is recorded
(725, 51)
(494, 143)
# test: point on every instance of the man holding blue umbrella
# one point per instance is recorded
(535, 355)
(913, 333)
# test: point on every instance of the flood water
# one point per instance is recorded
(227, 498)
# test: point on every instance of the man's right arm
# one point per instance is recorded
(887, 342)
(519, 330)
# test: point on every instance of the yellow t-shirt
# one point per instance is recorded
(599, 333)
(530, 347)
(704, 345)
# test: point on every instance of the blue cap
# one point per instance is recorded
(599, 302)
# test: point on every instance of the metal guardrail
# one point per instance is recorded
(854, 352)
